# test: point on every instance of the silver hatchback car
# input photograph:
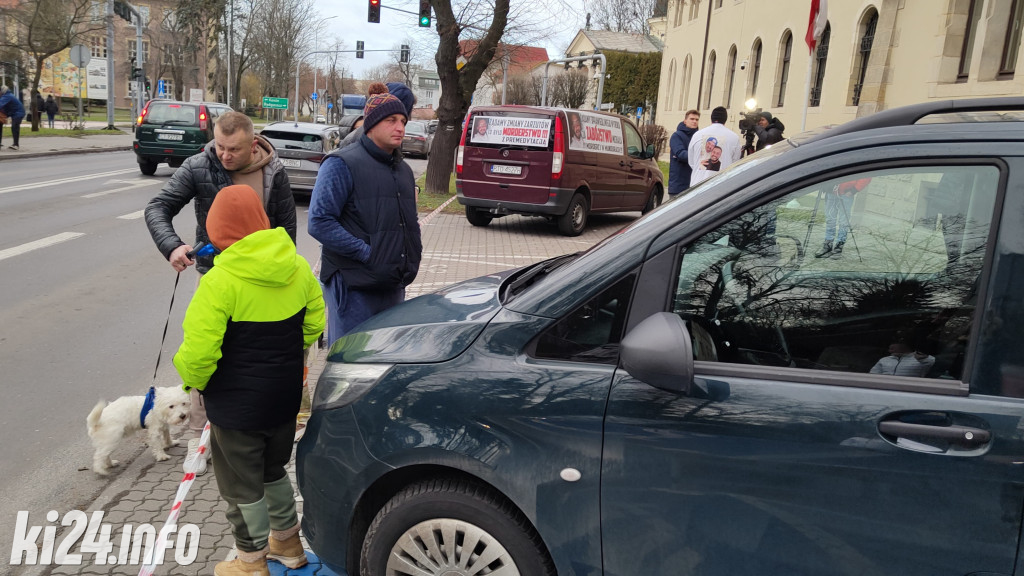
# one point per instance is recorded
(302, 146)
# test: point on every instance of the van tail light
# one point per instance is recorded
(559, 155)
(202, 117)
(462, 148)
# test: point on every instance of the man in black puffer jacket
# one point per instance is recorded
(236, 156)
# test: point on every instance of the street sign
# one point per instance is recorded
(639, 111)
(80, 55)
(330, 105)
(275, 103)
(196, 95)
(313, 96)
(160, 87)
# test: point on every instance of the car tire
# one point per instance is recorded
(654, 201)
(412, 525)
(574, 220)
(478, 217)
(147, 167)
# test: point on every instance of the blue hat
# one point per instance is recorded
(403, 93)
(379, 107)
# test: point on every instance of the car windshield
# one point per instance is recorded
(415, 128)
(294, 140)
(523, 279)
(168, 113)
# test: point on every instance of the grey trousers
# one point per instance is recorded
(249, 465)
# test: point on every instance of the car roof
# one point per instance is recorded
(535, 109)
(300, 127)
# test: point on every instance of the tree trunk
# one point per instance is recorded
(34, 87)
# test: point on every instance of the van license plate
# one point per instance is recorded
(289, 163)
(175, 137)
(499, 169)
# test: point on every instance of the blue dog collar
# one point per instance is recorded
(147, 406)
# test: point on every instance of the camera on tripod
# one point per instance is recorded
(748, 120)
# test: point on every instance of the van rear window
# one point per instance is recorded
(173, 114)
(496, 130)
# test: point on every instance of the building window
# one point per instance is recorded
(718, 3)
(970, 34)
(671, 84)
(679, 13)
(864, 54)
(787, 53)
(755, 70)
(169, 52)
(694, 9)
(820, 57)
(1011, 45)
(98, 46)
(132, 52)
(684, 84)
(428, 95)
(711, 79)
(730, 79)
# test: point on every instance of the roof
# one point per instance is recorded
(608, 41)
(521, 58)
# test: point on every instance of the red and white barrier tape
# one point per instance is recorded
(179, 498)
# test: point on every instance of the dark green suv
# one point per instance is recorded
(170, 131)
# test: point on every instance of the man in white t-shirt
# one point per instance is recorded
(703, 144)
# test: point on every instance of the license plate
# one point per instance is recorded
(499, 169)
(289, 163)
(175, 137)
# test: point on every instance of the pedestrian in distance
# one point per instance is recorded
(363, 212)
(397, 89)
(236, 156)
(769, 130)
(700, 148)
(51, 107)
(679, 163)
(838, 207)
(245, 331)
(39, 106)
(11, 109)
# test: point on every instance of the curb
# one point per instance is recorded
(19, 155)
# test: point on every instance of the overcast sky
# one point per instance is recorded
(346, 21)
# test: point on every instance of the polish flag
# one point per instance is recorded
(816, 24)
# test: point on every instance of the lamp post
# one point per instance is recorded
(316, 67)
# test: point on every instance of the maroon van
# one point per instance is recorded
(560, 163)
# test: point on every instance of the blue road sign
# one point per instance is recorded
(313, 95)
(639, 111)
(160, 86)
(330, 105)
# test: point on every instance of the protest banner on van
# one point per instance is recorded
(595, 133)
(510, 131)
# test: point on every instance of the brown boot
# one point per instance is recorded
(245, 564)
(286, 548)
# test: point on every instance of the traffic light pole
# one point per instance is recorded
(298, 62)
(110, 64)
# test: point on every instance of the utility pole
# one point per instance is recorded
(110, 65)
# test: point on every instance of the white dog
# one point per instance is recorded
(109, 423)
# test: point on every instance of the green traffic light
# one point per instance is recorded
(425, 21)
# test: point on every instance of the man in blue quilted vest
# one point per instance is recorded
(363, 212)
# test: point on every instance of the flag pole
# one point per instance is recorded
(807, 91)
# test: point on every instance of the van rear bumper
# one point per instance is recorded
(557, 204)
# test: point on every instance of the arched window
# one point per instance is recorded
(731, 76)
(786, 52)
(755, 67)
(671, 84)
(970, 34)
(867, 38)
(684, 81)
(711, 80)
(1011, 45)
(820, 57)
(679, 13)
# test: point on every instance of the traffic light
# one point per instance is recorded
(148, 85)
(374, 15)
(359, 48)
(404, 54)
(122, 10)
(425, 13)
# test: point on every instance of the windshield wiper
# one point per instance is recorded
(532, 274)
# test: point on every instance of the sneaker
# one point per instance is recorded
(838, 250)
(826, 249)
(194, 462)
(12, 147)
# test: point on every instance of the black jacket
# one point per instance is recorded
(771, 134)
(200, 178)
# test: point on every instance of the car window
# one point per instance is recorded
(293, 140)
(591, 333)
(875, 272)
(415, 128)
(170, 113)
(634, 143)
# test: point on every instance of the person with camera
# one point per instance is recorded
(769, 130)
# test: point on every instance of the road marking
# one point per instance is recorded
(123, 188)
(41, 243)
(133, 215)
(50, 183)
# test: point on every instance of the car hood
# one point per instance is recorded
(431, 328)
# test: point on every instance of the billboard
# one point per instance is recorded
(595, 133)
(61, 78)
(510, 131)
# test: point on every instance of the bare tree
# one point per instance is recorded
(198, 23)
(274, 54)
(383, 73)
(45, 28)
(623, 15)
(523, 89)
(569, 89)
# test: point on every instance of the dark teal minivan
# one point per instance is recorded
(169, 131)
(709, 392)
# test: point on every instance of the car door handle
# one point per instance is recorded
(963, 435)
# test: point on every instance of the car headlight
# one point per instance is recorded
(341, 384)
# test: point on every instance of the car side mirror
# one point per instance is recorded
(650, 151)
(659, 352)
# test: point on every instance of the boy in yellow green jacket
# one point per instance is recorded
(245, 330)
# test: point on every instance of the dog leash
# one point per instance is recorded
(167, 323)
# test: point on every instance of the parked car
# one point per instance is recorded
(169, 131)
(321, 119)
(560, 163)
(417, 140)
(301, 147)
(701, 393)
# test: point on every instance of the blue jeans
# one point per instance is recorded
(837, 216)
(348, 307)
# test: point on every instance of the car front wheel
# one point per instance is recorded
(449, 527)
